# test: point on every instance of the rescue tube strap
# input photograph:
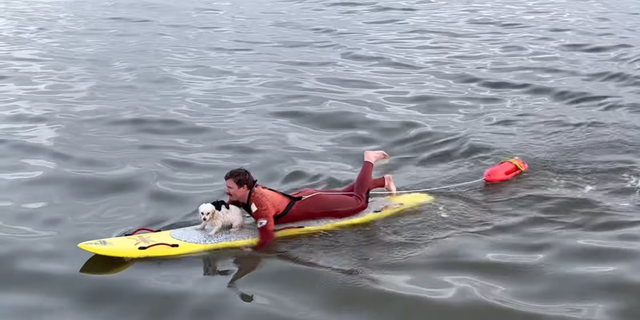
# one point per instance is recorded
(286, 210)
(247, 206)
(516, 163)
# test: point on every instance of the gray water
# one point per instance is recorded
(125, 114)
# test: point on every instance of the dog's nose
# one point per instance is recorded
(204, 219)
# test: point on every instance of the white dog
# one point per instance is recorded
(219, 214)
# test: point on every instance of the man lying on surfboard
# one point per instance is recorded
(269, 207)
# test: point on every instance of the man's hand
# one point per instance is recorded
(265, 225)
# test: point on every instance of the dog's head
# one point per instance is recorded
(209, 210)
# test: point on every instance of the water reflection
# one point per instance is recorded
(245, 262)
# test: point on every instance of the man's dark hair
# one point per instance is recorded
(241, 176)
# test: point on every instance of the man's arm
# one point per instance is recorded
(263, 213)
(266, 226)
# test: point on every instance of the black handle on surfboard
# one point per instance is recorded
(141, 229)
(173, 245)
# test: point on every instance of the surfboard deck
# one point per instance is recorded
(189, 240)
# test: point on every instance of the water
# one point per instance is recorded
(117, 115)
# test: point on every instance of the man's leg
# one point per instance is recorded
(338, 205)
(383, 182)
(375, 183)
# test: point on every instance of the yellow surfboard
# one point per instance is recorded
(188, 240)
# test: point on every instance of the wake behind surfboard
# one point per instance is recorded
(188, 240)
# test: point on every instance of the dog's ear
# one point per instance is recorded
(219, 203)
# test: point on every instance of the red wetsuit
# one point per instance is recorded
(270, 207)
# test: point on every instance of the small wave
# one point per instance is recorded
(350, 4)
(352, 83)
(588, 48)
(89, 186)
(16, 231)
(621, 78)
(386, 21)
(20, 175)
(496, 294)
(52, 157)
(158, 126)
(381, 8)
(43, 134)
(130, 20)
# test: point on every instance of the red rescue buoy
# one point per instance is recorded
(505, 170)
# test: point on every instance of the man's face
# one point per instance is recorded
(235, 193)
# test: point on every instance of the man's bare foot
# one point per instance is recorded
(389, 185)
(375, 156)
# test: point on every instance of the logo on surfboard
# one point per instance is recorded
(142, 239)
(99, 243)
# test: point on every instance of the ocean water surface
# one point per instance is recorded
(118, 114)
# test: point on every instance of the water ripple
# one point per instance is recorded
(13, 231)
(493, 293)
